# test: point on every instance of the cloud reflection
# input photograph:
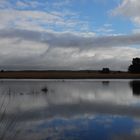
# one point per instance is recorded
(66, 103)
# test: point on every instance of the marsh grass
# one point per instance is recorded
(7, 123)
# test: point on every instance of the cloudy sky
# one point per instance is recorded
(69, 34)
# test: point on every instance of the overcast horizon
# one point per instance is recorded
(69, 34)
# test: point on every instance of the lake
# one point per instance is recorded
(69, 109)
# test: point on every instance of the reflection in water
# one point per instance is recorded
(135, 85)
(44, 89)
(69, 110)
(106, 83)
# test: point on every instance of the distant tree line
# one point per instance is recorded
(135, 66)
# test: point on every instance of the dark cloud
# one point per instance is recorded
(69, 39)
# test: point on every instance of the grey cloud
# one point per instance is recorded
(23, 34)
(24, 49)
(69, 39)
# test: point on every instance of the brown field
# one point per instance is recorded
(66, 75)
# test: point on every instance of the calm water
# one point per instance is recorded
(72, 110)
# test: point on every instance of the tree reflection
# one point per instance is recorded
(135, 85)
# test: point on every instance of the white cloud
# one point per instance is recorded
(4, 3)
(27, 19)
(40, 17)
(39, 20)
(130, 9)
(104, 30)
(21, 4)
(60, 4)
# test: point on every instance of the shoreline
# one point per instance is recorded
(66, 75)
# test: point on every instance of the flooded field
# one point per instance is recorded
(69, 109)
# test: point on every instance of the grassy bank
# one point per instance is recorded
(66, 75)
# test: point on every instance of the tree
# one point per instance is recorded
(136, 61)
(135, 66)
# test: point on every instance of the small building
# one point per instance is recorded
(105, 70)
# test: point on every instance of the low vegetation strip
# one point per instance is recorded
(67, 75)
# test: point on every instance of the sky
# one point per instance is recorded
(69, 34)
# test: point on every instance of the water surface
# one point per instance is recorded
(69, 109)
